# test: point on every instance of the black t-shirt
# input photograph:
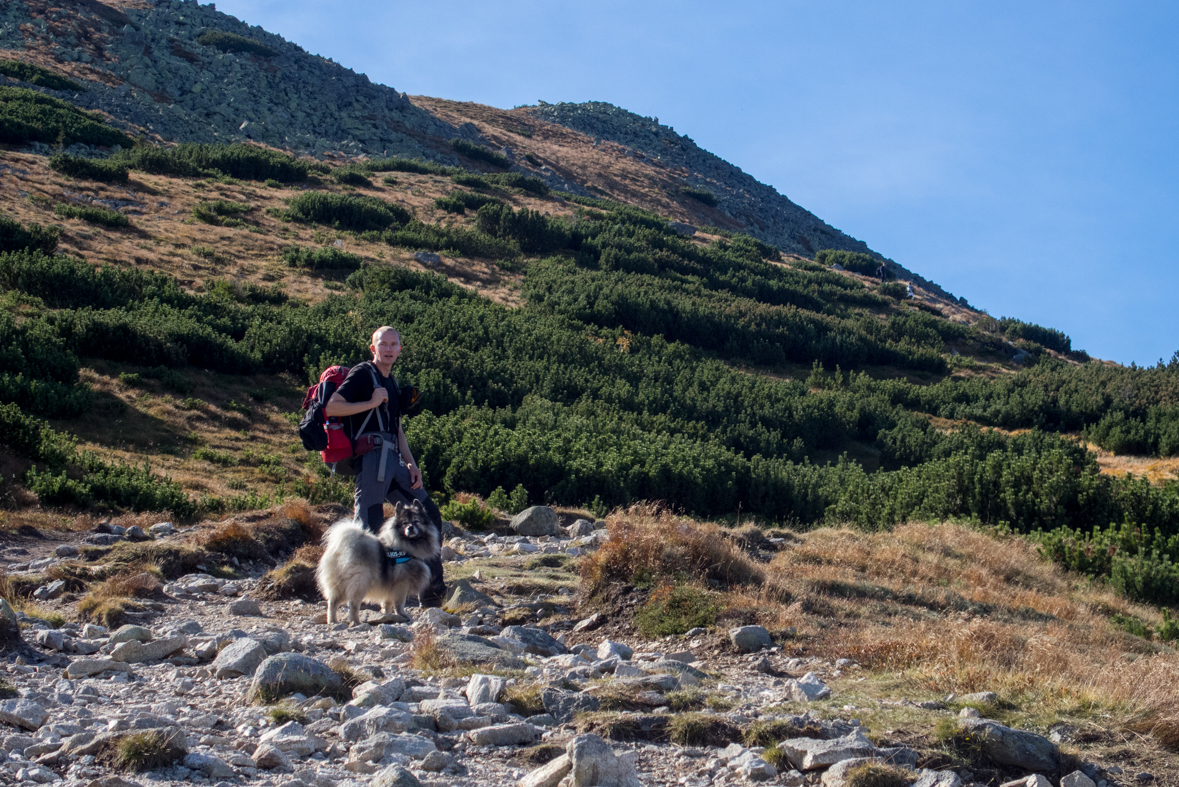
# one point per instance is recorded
(358, 387)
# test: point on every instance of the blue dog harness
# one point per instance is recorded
(398, 557)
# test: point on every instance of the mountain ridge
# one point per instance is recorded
(145, 65)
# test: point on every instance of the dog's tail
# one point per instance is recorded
(339, 531)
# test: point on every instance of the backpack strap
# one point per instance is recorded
(376, 384)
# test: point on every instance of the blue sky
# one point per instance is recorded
(1022, 155)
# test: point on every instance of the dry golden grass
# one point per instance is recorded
(647, 543)
(428, 655)
(1152, 468)
(930, 610)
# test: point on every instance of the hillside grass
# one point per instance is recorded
(924, 611)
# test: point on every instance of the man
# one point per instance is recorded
(368, 402)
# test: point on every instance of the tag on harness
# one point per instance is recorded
(399, 557)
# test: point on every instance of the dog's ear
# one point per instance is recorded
(398, 509)
(417, 506)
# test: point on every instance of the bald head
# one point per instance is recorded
(382, 330)
(385, 347)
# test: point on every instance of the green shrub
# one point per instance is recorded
(231, 42)
(459, 201)
(16, 237)
(192, 159)
(896, 290)
(346, 212)
(480, 153)
(535, 232)
(29, 116)
(418, 235)
(352, 176)
(700, 195)
(316, 259)
(36, 75)
(220, 212)
(512, 505)
(674, 609)
(93, 214)
(88, 169)
(854, 261)
(470, 515)
(409, 165)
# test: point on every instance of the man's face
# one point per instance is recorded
(387, 349)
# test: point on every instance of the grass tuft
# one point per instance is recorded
(873, 774)
(142, 751)
(524, 698)
(675, 608)
(702, 729)
(283, 712)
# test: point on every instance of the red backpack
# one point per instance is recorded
(318, 432)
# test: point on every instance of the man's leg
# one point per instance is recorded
(369, 497)
(400, 492)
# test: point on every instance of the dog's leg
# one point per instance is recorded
(333, 605)
(399, 596)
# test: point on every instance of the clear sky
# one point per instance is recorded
(1022, 155)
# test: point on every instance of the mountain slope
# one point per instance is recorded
(160, 69)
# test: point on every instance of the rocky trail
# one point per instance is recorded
(217, 684)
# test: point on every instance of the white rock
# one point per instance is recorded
(23, 713)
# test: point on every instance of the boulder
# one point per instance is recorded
(128, 633)
(284, 674)
(938, 779)
(383, 744)
(582, 527)
(211, 765)
(85, 668)
(462, 594)
(245, 607)
(447, 713)
(537, 642)
(238, 658)
(1014, 748)
(607, 649)
(375, 720)
(594, 621)
(6, 611)
(808, 688)
(564, 705)
(291, 738)
(753, 768)
(271, 758)
(549, 775)
(23, 713)
(395, 776)
(427, 258)
(372, 693)
(484, 688)
(50, 639)
(750, 639)
(537, 521)
(505, 734)
(807, 754)
(470, 649)
(1076, 779)
(161, 529)
(592, 762)
(136, 652)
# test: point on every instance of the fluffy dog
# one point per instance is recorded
(388, 567)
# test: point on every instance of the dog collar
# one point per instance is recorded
(399, 557)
